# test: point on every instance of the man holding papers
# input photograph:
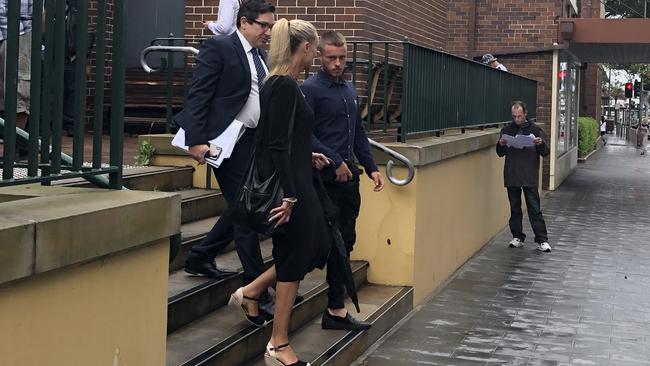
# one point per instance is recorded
(522, 142)
(221, 111)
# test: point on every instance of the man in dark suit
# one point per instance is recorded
(228, 76)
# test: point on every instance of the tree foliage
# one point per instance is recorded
(624, 8)
(632, 70)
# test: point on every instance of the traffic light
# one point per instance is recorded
(637, 88)
(628, 90)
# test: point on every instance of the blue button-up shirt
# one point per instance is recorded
(338, 130)
(25, 18)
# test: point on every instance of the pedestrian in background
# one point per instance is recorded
(642, 131)
(226, 18)
(521, 173)
(24, 66)
(603, 129)
(493, 62)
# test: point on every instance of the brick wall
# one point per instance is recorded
(459, 20)
(591, 97)
(197, 11)
(501, 25)
(425, 22)
(92, 58)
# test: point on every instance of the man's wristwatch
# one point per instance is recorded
(291, 200)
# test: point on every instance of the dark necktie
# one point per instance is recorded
(261, 74)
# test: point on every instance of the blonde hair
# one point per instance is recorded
(286, 37)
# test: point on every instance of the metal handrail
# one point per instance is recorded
(175, 39)
(392, 153)
(146, 51)
(389, 165)
(98, 180)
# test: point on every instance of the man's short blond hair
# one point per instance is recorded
(331, 38)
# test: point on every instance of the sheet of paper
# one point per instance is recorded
(520, 141)
(223, 144)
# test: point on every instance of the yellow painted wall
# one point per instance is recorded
(81, 315)
(198, 178)
(450, 210)
(461, 205)
(387, 216)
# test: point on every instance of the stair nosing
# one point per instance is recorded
(351, 336)
(198, 288)
(232, 340)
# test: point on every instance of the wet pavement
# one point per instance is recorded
(586, 303)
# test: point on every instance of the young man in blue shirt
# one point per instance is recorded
(339, 135)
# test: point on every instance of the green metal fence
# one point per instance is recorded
(443, 91)
(405, 89)
(46, 161)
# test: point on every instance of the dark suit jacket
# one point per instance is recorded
(220, 88)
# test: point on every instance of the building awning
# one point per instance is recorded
(623, 41)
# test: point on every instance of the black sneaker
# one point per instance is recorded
(348, 322)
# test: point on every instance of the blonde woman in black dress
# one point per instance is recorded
(305, 241)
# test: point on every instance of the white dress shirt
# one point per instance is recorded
(250, 114)
(226, 19)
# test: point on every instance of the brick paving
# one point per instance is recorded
(130, 147)
(586, 303)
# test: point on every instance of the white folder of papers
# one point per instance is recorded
(221, 147)
(519, 141)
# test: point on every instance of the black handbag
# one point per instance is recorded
(257, 197)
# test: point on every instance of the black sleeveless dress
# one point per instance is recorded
(306, 240)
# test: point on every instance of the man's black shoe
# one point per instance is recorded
(207, 269)
(348, 323)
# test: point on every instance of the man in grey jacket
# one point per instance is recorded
(521, 173)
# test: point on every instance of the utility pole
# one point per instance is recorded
(641, 105)
(609, 88)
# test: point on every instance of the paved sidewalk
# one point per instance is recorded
(586, 303)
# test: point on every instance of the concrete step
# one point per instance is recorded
(150, 178)
(191, 297)
(192, 233)
(383, 306)
(198, 204)
(222, 338)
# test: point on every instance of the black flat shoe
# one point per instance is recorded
(208, 269)
(348, 322)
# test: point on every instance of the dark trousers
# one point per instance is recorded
(229, 175)
(348, 200)
(531, 196)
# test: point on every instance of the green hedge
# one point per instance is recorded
(587, 135)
